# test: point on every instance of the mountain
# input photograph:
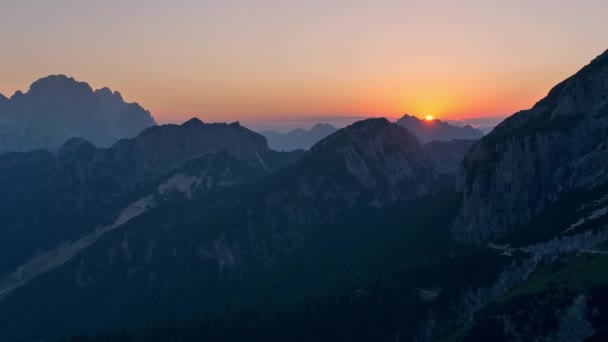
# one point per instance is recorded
(533, 200)
(298, 139)
(211, 228)
(57, 108)
(53, 198)
(438, 130)
(537, 157)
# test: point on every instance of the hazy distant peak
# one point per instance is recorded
(58, 107)
(108, 93)
(56, 83)
(437, 130)
(298, 139)
(322, 126)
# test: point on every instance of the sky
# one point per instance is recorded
(291, 63)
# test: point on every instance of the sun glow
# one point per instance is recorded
(429, 118)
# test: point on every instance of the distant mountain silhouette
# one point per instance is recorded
(57, 108)
(3, 103)
(438, 130)
(298, 139)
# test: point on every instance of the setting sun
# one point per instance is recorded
(429, 118)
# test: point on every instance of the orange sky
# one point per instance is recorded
(282, 61)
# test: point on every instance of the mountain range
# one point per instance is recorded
(298, 139)
(429, 130)
(258, 206)
(57, 108)
(377, 232)
(425, 131)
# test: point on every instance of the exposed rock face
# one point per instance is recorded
(535, 156)
(208, 172)
(382, 157)
(427, 131)
(371, 163)
(298, 138)
(57, 108)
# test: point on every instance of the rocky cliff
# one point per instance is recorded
(536, 156)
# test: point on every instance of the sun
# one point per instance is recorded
(429, 118)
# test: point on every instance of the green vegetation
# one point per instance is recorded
(573, 273)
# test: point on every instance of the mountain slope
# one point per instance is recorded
(536, 156)
(53, 198)
(193, 247)
(298, 139)
(436, 129)
(57, 108)
(345, 270)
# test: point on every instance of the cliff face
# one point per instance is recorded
(534, 157)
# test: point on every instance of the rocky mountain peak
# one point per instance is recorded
(367, 132)
(585, 92)
(323, 127)
(382, 156)
(160, 148)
